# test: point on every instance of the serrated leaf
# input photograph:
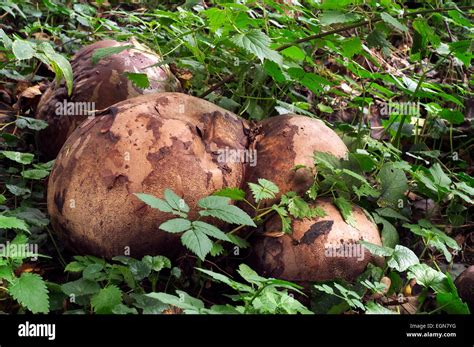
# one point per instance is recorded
(13, 223)
(210, 230)
(175, 201)
(263, 190)
(230, 214)
(235, 194)
(138, 79)
(101, 53)
(31, 292)
(345, 207)
(157, 263)
(257, 43)
(197, 242)
(402, 258)
(22, 158)
(106, 300)
(154, 202)
(176, 225)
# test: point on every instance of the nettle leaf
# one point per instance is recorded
(235, 194)
(218, 207)
(12, 223)
(30, 123)
(176, 225)
(256, 42)
(138, 79)
(393, 22)
(22, 158)
(197, 242)
(402, 258)
(31, 292)
(154, 202)
(23, 49)
(345, 207)
(101, 53)
(106, 299)
(335, 17)
(285, 220)
(263, 190)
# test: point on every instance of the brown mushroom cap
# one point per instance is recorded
(103, 84)
(315, 249)
(465, 285)
(289, 140)
(141, 145)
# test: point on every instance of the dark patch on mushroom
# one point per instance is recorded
(316, 230)
(154, 124)
(59, 200)
(157, 156)
(163, 101)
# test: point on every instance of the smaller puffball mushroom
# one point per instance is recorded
(286, 141)
(465, 286)
(318, 249)
(96, 87)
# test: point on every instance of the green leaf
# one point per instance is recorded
(426, 31)
(106, 300)
(74, 266)
(22, 158)
(154, 202)
(35, 174)
(80, 287)
(197, 242)
(257, 43)
(310, 80)
(210, 230)
(157, 263)
(101, 53)
(138, 79)
(3, 199)
(273, 69)
(351, 46)
(294, 52)
(325, 108)
(13, 223)
(376, 308)
(31, 292)
(60, 64)
(176, 225)
(23, 49)
(393, 22)
(230, 214)
(452, 116)
(389, 233)
(30, 123)
(393, 184)
(381, 251)
(345, 207)
(428, 277)
(175, 201)
(7, 42)
(263, 190)
(235, 194)
(335, 17)
(451, 303)
(402, 258)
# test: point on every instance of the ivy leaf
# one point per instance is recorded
(106, 299)
(22, 158)
(176, 225)
(31, 292)
(101, 53)
(263, 190)
(345, 208)
(402, 258)
(138, 79)
(13, 223)
(197, 242)
(256, 42)
(393, 22)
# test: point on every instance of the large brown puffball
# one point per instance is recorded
(141, 145)
(286, 141)
(101, 85)
(318, 249)
(465, 286)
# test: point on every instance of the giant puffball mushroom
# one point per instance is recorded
(465, 286)
(286, 141)
(99, 85)
(318, 249)
(142, 145)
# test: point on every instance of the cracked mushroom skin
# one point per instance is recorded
(288, 140)
(314, 250)
(142, 145)
(103, 84)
